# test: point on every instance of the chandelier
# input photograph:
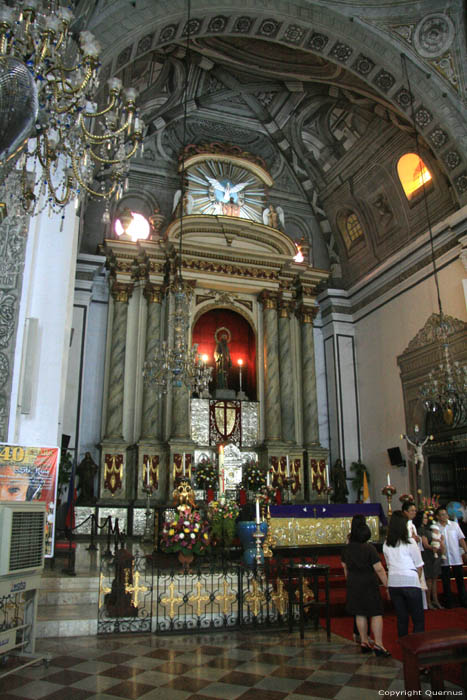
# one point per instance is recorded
(177, 364)
(57, 136)
(444, 391)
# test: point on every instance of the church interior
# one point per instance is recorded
(257, 298)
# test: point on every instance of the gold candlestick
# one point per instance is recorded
(269, 540)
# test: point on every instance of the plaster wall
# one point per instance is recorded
(381, 336)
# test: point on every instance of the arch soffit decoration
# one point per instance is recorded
(299, 31)
(204, 232)
(230, 305)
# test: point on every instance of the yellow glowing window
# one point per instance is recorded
(350, 227)
(413, 174)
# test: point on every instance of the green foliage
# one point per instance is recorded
(64, 469)
(357, 482)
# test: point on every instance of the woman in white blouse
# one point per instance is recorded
(405, 566)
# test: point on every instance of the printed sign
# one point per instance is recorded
(30, 474)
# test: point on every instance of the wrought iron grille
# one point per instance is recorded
(137, 597)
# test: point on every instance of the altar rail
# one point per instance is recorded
(135, 596)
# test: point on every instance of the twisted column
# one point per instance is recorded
(271, 366)
(121, 293)
(151, 400)
(306, 315)
(286, 373)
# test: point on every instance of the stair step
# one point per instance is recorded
(66, 620)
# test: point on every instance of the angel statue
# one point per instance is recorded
(274, 217)
(418, 446)
(187, 203)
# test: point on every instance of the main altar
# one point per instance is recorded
(251, 290)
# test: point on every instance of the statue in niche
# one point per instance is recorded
(222, 357)
(274, 217)
(86, 471)
(339, 482)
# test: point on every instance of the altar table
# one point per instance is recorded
(322, 523)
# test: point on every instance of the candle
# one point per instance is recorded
(268, 478)
(147, 472)
(240, 363)
(183, 462)
(221, 469)
(288, 466)
(257, 511)
(327, 475)
(389, 480)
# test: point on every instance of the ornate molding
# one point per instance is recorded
(121, 291)
(306, 314)
(153, 293)
(431, 332)
(268, 299)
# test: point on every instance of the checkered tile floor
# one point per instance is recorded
(256, 666)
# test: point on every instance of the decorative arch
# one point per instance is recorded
(295, 26)
(242, 345)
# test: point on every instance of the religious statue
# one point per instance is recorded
(183, 495)
(86, 471)
(222, 356)
(339, 482)
(119, 602)
(274, 217)
(417, 445)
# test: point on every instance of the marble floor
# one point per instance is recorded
(245, 665)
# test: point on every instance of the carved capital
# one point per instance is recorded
(286, 307)
(306, 314)
(153, 293)
(268, 299)
(121, 291)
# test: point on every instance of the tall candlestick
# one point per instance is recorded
(257, 511)
(221, 469)
(389, 480)
(240, 363)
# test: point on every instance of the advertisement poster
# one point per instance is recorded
(30, 474)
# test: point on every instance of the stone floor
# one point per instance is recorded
(246, 665)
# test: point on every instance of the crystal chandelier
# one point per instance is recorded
(445, 390)
(177, 364)
(71, 143)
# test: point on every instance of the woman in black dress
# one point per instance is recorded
(432, 564)
(362, 568)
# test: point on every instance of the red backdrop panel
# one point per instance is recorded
(242, 346)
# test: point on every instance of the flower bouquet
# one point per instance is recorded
(388, 490)
(266, 495)
(206, 474)
(406, 497)
(254, 476)
(187, 533)
(223, 517)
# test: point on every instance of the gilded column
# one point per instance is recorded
(271, 366)
(151, 401)
(286, 373)
(306, 315)
(121, 293)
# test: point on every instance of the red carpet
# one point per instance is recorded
(434, 620)
(342, 625)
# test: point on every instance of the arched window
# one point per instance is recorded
(413, 174)
(350, 227)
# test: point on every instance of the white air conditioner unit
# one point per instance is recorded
(22, 537)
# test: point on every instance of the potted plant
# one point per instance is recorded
(187, 534)
(223, 517)
(357, 482)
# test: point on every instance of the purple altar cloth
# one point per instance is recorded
(331, 510)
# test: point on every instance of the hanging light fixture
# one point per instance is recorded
(64, 141)
(178, 364)
(445, 389)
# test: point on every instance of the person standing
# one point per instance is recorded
(431, 557)
(405, 566)
(362, 568)
(454, 541)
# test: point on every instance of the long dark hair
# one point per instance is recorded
(397, 530)
(357, 521)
